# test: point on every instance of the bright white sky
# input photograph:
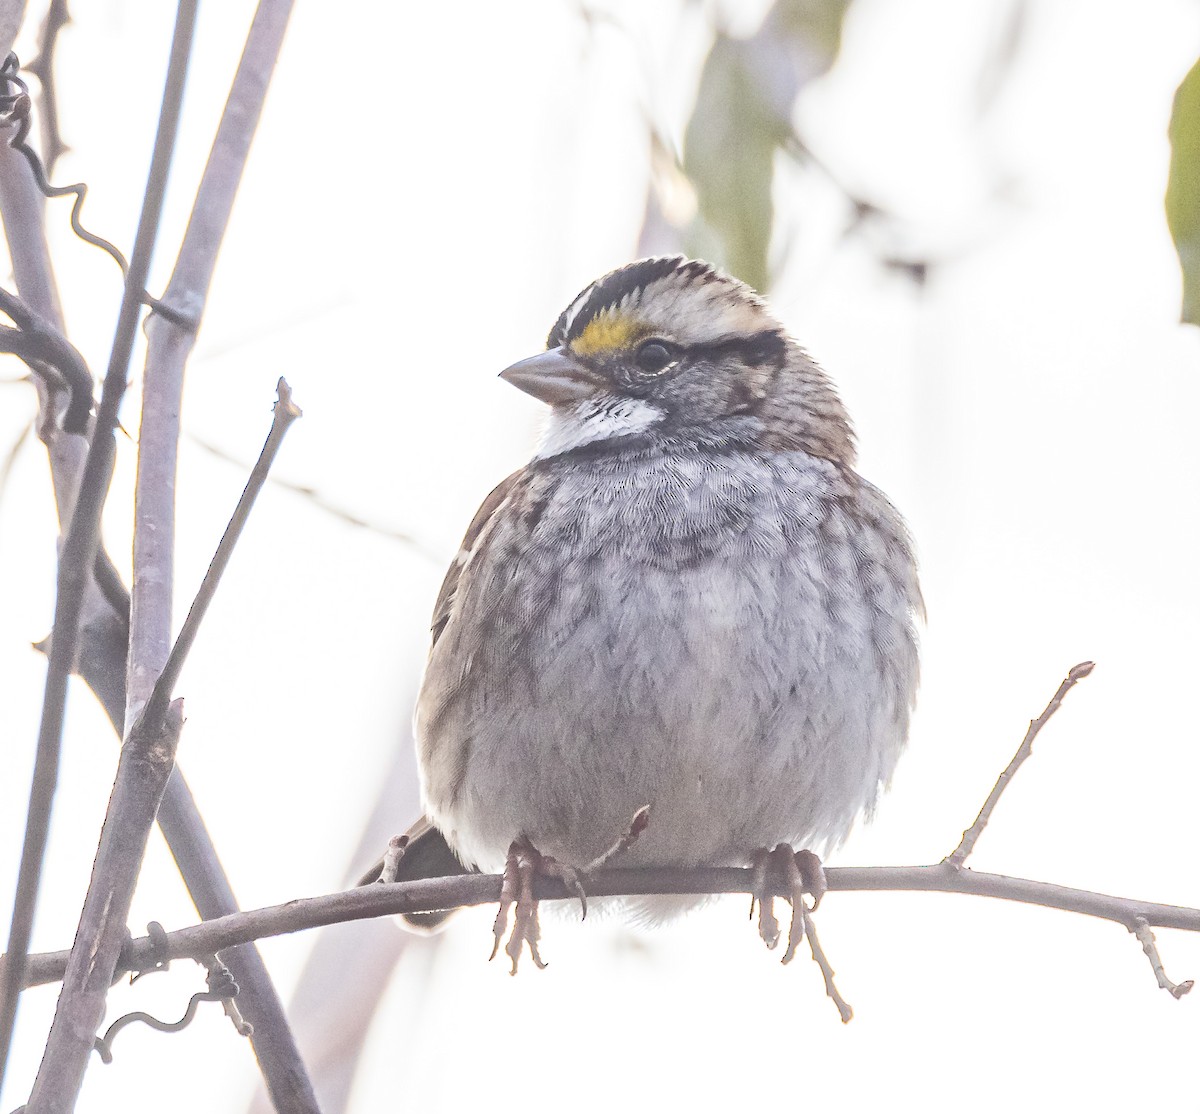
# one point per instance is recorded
(430, 184)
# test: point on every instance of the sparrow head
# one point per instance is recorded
(673, 349)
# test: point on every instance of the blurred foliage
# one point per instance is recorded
(1183, 189)
(742, 116)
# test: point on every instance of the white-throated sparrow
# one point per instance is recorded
(688, 599)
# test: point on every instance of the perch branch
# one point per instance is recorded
(426, 895)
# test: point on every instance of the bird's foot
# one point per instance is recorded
(794, 873)
(523, 864)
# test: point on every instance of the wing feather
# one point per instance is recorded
(445, 600)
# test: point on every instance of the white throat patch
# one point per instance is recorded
(595, 419)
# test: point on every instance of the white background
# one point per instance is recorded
(430, 184)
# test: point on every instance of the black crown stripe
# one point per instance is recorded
(614, 286)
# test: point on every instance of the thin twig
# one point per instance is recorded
(627, 839)
(82, 540)
(970, 837)
(286, 412)
(1141, 929)
(392, 858)
(425, 895)
(311, 495)
(822, 961)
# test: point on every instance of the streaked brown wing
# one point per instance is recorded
(445, 600)
(427, 854)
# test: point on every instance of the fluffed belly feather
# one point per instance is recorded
(746, 701)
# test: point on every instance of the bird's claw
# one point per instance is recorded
(795, 873)
(523, 864)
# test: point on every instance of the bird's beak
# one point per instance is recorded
(555, 377)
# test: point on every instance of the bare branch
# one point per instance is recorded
(146, 762)
(966, 845)
(628, 838)
(392, 858)
(82, 542)
(42, 67)
(426, 895)
(148, 758)
(23, 209)
(1141, 929)
(12, 15)
(104, 625)
(286, 412)
(15, 107)
(169, 345)
(820, 959)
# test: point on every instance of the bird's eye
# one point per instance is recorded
(654, 356)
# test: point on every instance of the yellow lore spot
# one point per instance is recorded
(609, 332)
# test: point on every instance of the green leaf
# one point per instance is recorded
(1183, 190)
(728, 154)
(742, 115)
